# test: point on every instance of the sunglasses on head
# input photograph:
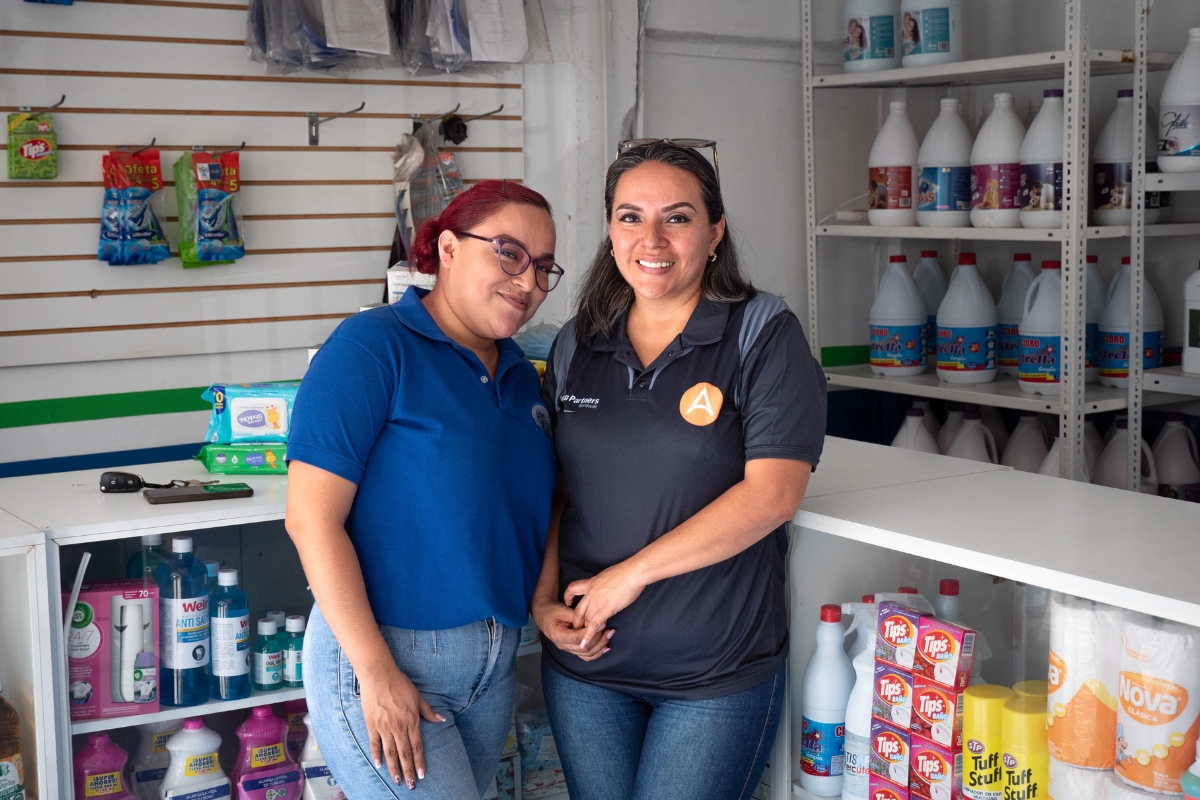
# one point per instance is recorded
(692, 144)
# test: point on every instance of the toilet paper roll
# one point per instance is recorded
(1075, 783)
(1085, 657)
(1117, 789)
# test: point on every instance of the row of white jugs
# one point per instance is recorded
(1170, 468)
(972, 338)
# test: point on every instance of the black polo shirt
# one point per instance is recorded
(643, 449)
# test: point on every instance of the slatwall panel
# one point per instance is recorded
(318, 220)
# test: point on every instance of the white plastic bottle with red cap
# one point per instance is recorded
(1114, 330)
(948, 607)
(828, 681)
(966, 328)
(944, 177)
(893, 170)
(1042, 165)
(1009, 312)
(932, 282)
(898, 323)
(996, 167)
(1041, 333)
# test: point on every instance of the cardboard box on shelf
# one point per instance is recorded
(896, 635)
(937, 713)
(943, 652)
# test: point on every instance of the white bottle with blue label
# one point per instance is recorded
(966, 328)
(1009, 312)
(1094, 309)
(828, 681)
(1041, 333)
(1040, 197)
(930, 32)
(898, 322)
(1114, 330)
(932, 285)
(1179, 112)
(944, 171)
(869, 31)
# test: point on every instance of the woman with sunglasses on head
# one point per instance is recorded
(688, 413)
(419, 494)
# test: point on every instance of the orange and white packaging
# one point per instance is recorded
(1158, 702)
(1117, 789)
(1076, 783)
(1085, 657)
(943, 653)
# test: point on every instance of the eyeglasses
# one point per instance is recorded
(514, 260)
(693, 144)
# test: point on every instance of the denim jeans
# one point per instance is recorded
(616, 746)
(467, 674)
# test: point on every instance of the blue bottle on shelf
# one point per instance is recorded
(229, 609)
(145, 562)
(183, 621)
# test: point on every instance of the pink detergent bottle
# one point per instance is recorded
(264, 747)
(100, 770)
(293, 712)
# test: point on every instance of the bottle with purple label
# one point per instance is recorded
(996, 167)
(1042, 165)
(1179, 112)
(966, 328)
(1115, 343)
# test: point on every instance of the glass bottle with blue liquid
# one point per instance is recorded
(183, 621)
(230, 620)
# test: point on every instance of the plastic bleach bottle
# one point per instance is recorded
(1093, 446)
(995, 423)
(1009, 312)
(100, 769)
(1041, 333)
(183, 623)
(893, 170)
(944, 176)
(1094, 309)
(1113, 468)
(1179, 111)
(913, 435)
(1191, 323)
(264, 743)
(929, 419)
(1112, 169)
(930, 32)
(869, 29)
(954, 420)
(996, 167)
(1115, 345)
(828, 680)
(194, 768)
(1026, 448)
(1176, 457)
(898, 321)
(319, 783)
(865, 614)
(151, 759)
(858, 721)
(932, 284)
(230, 620)
(974, 441)
(1052, 463)
(1042, 165)
(966, 328)
(948, 607)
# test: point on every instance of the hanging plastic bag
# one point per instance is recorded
(131, 230)
(210, 220)
(437, 182)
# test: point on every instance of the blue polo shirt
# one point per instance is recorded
(455, 471)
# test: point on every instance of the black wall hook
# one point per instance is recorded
(314, 123)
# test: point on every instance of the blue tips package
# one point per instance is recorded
(210, 219)
(250, 412)
(131, 230)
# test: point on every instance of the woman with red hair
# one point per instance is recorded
(419, 491)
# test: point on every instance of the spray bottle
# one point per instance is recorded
(151, 759)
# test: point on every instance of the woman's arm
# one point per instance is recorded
(318, 503)
(768, 496)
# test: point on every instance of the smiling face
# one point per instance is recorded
(661, 235)
(488, 302)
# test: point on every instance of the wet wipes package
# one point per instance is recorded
(131, 230)
(896, 639)
(937, 714)
(242, 459)
(32, 146)
(892, 699)
(943, 653)
(210, 220)
(250, 412)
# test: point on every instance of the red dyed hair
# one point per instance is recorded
(465, 212)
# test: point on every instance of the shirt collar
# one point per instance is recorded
(416, 317)
(705, 326)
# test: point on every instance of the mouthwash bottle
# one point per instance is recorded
(145, 562)
(12, 767)
(183, 621)
(230, 612)
(268, 658)
(1189, 781)
(293, 652)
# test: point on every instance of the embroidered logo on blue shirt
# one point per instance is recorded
(542, 417)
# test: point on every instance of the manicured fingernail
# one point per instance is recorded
(583, 643)
(378, 763)
(396, 779)
(605, 650)
(421, 774)
(412, 785)
(441, 718)
(609, 634)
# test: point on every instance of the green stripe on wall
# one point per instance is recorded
(102, 406)
(845, 356)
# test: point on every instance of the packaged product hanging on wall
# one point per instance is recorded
(131, 230)
(32, 146)
(436, 182)
(210, 219)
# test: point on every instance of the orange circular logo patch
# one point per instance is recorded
(701, 404)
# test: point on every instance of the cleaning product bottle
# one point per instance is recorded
(230, 618)
(183, 622)
(898, 323)
(893, 170)
(983, 754)
(930, 32)
(995, 423)
(293, 713)
(1023, 742)
(869, 29)
(1026, 449)
(913, 435)
(954, 420)
(944, 178)
(1191, 324)
(319, 784)
(966, 328)
(974, 441)
(144, 563)
(1009, 312)
(1052, 463)
(1041, 333)
(1179, 111)
(212, 568)
(1113, 468)
(268, 658)
(1112, 168)
(856, 770)
(1111, 431)
(194, 764)
(280, 620)
(12, 761)
(865, 614)
(932, 284)
(293, 653)
(1176, 457)
(1114, 330)
(929, 419)
(1094, 309)
(151, 759)
(948, 607)
(263, 743)
(828, 679)
(996, 167)
(1042, 165)
(1190, 780)
(100, 769)
(1093, 445)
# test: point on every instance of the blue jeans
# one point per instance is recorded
(467, 674)
(616, 746)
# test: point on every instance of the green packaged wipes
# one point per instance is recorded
(32, 146)
(243, 459)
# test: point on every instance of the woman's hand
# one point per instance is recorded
(393, 709)
(604, 595)
(555, 620)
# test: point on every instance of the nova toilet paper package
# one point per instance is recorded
(1076, 783)
(1158, 702)
(1085, 657)
(250, 412)
(1117, 789)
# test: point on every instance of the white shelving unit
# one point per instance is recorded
(1074, 66)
